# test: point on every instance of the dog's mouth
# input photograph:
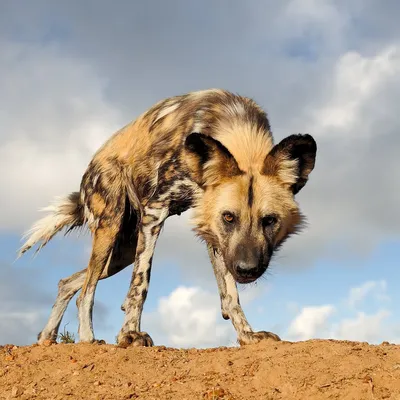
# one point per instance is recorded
(244, 280)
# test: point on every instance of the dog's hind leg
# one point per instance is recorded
(123, 253)
(68, 287)
(230, 304)
(104, 239)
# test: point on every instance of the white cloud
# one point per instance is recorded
(310, 322)
(355, 125)
(317, 321)
(54, 116)
(377, 289)
(363, 327)
(356, 79)
(188, 317)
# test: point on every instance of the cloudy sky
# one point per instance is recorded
(71, 73)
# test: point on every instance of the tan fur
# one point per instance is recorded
(270, 197)
(249, 148)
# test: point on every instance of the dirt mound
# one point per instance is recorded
(316, 369)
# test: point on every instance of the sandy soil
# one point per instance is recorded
(317, 369)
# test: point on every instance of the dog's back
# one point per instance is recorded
(147, 157)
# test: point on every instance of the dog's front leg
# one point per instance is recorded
(149, 231)
(230, 304)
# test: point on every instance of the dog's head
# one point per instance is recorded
(246, 215)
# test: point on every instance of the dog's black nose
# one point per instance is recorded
(246, 270)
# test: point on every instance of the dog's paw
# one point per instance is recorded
(132, 338)
(255, 337)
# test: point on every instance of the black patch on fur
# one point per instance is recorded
(270, 249)
(128, 229)
(181, 201)
(251, 193)
(148, 272)
(196, 144)
(204, 145)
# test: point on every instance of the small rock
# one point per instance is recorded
(88, 367)
(216, 393)
(97, 383)
(131, 396)
(367, 379)
(75, 373)
(16, 391)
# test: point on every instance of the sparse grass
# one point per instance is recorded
(66, 336)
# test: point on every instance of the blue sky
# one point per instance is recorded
(70, 76)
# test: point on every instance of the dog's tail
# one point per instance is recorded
(64, 212)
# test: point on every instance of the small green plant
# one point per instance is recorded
(66, 336)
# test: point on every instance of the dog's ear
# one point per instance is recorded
(209, 160)
(292, 160)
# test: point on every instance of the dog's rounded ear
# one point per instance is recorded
(292, 160)
(208, 159)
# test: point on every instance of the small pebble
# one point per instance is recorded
(16, 391)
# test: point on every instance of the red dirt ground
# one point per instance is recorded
(315, 369)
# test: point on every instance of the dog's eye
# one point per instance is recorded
(269, 221)
(228, 217)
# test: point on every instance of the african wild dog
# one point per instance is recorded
(211, 150)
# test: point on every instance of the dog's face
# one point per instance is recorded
(246, 216)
